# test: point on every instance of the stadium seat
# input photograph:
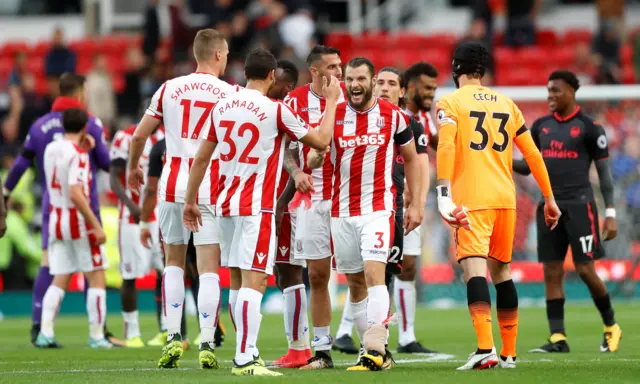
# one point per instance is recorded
(408, 40)
(546, 38)
(629, 75)
(86, 47)
(562, 57)
(10, 49)
(83, 65)
(6, 65)
(40, 49)
(118, 83)
(340, 40)
(626, 54)
(371, 41)
(35, 66)
(116, 64)
(574, 36)
(531, 57)
(115, 44)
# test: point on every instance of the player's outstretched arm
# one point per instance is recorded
(22, 163)
(82, 204)
(532, 156)
(3, 216)
(100, 149)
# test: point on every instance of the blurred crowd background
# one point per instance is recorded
(127, 49)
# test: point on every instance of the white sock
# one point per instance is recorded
(318, 334)
(359, 311)
(296, 323)
(346, 323)
(209, 306)
(131, 324)
(378, 305)
(50, 306)
(248, 318)
(173, 298)
(97, 311)
(404, 296)
(233, 298)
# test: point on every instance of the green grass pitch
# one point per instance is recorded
(449, 331)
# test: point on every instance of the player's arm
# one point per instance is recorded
(22, 163)
(191, 216)
(3, 216)
(150, 198)
(420, 140)
(403, 137)
(321, 137)
(520, 166)
(100, 150)
(301, 181)
(149, 123)
(598, 147)
(315, 158)
(117, 172)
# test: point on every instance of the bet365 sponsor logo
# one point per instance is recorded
(356, 141)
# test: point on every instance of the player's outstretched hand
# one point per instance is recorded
(412, 218)
(609, 229)
(191, 217)
(551, 213)
(304, 182)
(98, 235)
(145, 237)
(135, 180)
(331, 88)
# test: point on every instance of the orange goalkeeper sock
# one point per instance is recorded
(507, 304)
(479, 303)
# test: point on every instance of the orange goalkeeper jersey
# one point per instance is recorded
(480, 125)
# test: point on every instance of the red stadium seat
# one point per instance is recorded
(562, 57)
(115, 44)
(546, 38)
(85, 47)
(532, 57)
(504, 55)
(10, 49)
(629, 75)
(626, 54)
(6, 65)
(84, 65)
(42, 85)
(41, 49)
(35, 66)
(441, 41)
(116, 64)
(118, 83)
(340, 40)
(371, 41)
(574, 36)
(408, 40)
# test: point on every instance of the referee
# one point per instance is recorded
(570, 141)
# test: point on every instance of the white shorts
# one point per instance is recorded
(174, 232)
(284, 253)
(248, 242)
(413, 243)
(135, 259)
(361, 238)
(313, 231)
(71, 256)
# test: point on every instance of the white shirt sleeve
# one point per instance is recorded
(290, 123)
(78, 168)
(120, 147)
(156, 108)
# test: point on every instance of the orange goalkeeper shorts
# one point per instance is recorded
(491, 235)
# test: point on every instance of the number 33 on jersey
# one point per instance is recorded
(486, 124)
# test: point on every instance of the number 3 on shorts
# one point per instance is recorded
(380, 242)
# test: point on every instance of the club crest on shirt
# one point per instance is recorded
(380, 122)
(574, 132)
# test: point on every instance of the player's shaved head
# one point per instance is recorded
(208, 44)
(286, 80)
(74, 120)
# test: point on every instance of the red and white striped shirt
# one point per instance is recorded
(120, 150)
(424, 119)
(184, 105)
(66, 164)
(363, 151)
(250, 128)
(310, 106)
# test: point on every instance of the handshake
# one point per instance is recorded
(454, 216)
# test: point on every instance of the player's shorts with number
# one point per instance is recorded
(361, 238)
(135, 259)
(284, 253)
(174, 232)
(80, 255)
(578, 228)
(491, 235)
(248, 242)
(312, 237)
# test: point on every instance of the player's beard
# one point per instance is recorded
(419, 102)
(367, 94)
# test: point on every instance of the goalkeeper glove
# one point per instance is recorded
(454, 216)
